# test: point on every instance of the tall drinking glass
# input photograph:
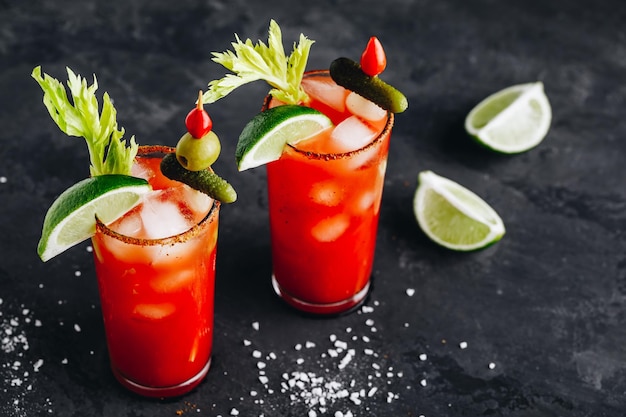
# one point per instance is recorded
(156, 270)
(324, 207)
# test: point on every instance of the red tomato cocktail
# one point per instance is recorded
(324, 200)
(156, 271)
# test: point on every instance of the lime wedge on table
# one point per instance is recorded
(264, 137)
(512, 120)
(453, 216)
(71, 217)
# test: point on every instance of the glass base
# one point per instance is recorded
(162, 392)
(339, 307)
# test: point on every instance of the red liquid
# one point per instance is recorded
(324, 218)
(157, 302)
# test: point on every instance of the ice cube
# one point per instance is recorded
(365, 201)
(142, 169)
(330, 229)
(352, 134)
(129, 225)
(327, 193)
(153, 311)
(167, 256)
(198, 202)
(174, 281)
(162, 218)
(326, 91)
(362, 107)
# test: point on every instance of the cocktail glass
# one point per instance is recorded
(323, 211)
(157, 293)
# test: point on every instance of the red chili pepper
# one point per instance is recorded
(373, 59)
(198, 122)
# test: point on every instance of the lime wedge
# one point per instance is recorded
(453, 216)
(264, 137)
(71, 217)
(512, 120)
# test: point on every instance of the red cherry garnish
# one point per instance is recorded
(198, 122)
(373, 59)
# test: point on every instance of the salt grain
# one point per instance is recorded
(492, 365)
(463, 345)
(335, 379)
(423, 357)
(410, 292)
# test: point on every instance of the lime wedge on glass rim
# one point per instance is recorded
(512, 120)
(263, 138)
(453, 216)
(71, 218)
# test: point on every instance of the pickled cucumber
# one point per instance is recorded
(348, 74)
(205, 181)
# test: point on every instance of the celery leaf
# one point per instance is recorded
(268, 62)
(108, 152)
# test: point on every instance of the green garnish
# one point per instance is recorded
(205, 180)
(268, 62)
(107, 150)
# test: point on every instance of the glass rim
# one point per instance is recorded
(188, 234)
(339, 155)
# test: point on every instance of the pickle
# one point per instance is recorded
(205, 181)
(348, 74)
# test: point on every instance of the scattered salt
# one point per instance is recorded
(463, 345)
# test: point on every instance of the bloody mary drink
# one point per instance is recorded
(156, 268)
(152, 215)
(324, 136)
(324, 200)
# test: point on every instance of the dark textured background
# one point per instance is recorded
(546, 305)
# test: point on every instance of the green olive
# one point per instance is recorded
(197, 154)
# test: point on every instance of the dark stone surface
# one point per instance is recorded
(546, 305)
